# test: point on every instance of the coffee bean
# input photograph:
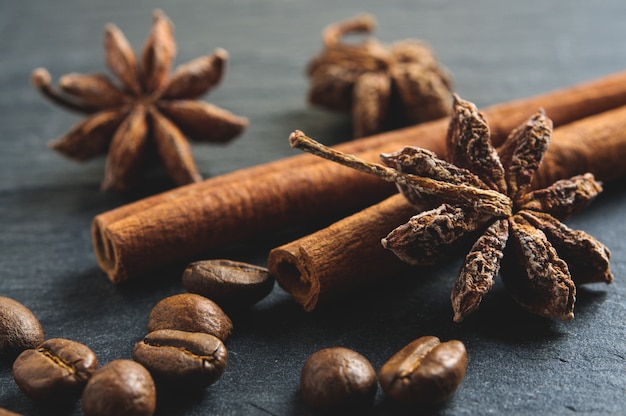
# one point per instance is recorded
(19, 329)
(56, 372)
(425, 372)
(229, 283)
(187, 360)
(338, 379)
(121, 387)
(192, 313)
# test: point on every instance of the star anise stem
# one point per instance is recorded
(41, 79)
(363, 23)
(94, 90)
(488, 202)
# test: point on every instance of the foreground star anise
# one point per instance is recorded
(149, 108)
(375, 81)
(487, 192)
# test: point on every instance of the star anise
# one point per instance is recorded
(487, 193)
(148, 107)
(375, 81)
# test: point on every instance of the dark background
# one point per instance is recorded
(497, 51)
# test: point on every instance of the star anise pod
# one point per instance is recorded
(147, 107)
(487, 193)
(375, 81)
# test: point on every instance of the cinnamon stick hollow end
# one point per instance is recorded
(121, 251)
(301, 283)
(105, 252)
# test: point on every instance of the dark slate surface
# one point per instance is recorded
(497, 51)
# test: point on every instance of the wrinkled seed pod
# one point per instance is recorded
(19, 329)
(338, 379)
(192, 313)
(229, 283)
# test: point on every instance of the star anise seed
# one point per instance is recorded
(375, 81)
(481, 266)
(488, 192)
(149, 109)
(543, 283)
(586, 257)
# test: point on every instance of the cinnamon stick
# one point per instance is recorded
(348, 255)
(183, 223)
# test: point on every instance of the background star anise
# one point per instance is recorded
(487, 194)
(376, 81)
(147, 108)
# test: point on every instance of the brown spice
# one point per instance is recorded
(327, 264)
(150, 108)
(197, 217)
(375, 81)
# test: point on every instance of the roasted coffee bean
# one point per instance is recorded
(229, 283)
(338, 379)
(55, 372)
(425, 372)
(121, 387)
(180, 359)
(19, 329)
(192, 313)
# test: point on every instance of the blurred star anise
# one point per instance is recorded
(376, 81)
(487, 192)
(149, 107)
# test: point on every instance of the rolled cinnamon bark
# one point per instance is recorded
(348, 255)
(183, 223)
